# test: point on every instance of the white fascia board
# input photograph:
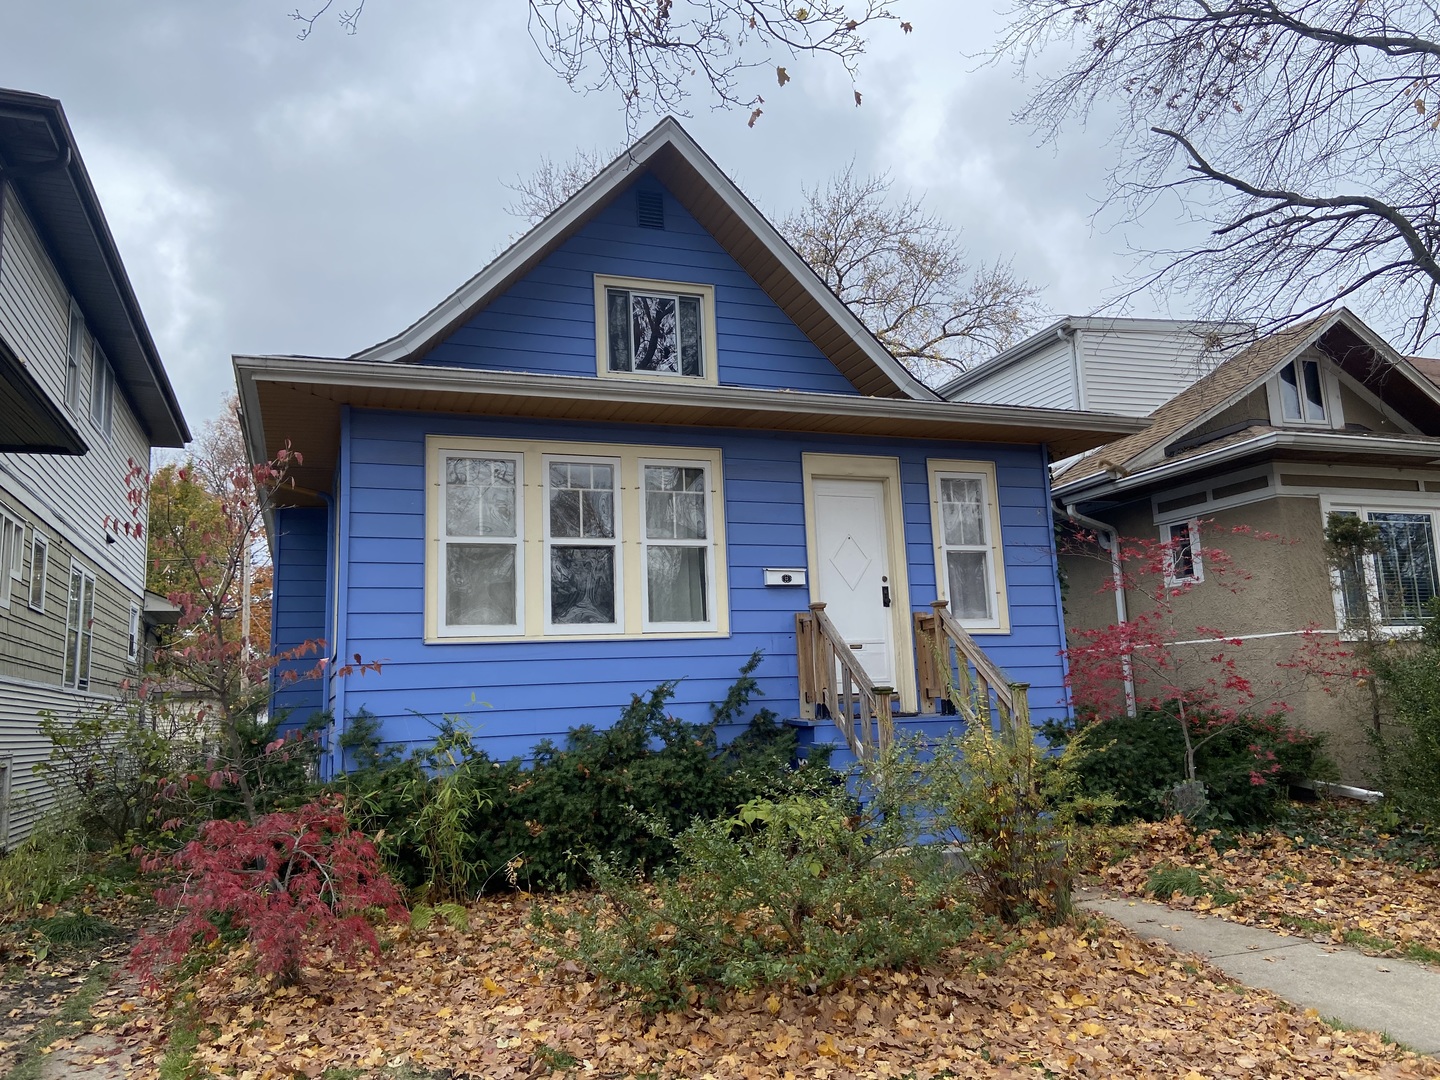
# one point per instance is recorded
(538, 240)
(1337, 442)
(250, 370)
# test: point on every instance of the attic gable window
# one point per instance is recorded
(654, 329)
(1302, 393)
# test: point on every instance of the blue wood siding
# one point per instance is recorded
(298, 607)
(514, 693)
(546, 322)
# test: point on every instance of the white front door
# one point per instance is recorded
(853, 565)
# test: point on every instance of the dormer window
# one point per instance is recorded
(655, 328)
(1302, 394)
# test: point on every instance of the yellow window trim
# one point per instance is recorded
(986, 470)
(887, 471)
(533, 452)
(709, 352)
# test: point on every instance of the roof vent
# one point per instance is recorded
(649, 210)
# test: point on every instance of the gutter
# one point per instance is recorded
(1420, 447)
(386, 375)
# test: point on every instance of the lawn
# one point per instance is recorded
(1091, 1001)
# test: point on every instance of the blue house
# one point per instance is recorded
(642, 443)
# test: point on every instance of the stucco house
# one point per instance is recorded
(1321, 419)
(636, 447)
(83, 395)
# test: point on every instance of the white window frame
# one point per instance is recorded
(12, 554)
(79, 631)
(1168, 533)
(1334, 418)
(708, 350)
(1377, 504)
(707, 544)
(39, 570)
(132, 646)
(7, 770)
(469, 630)
(615, 543)
(984, 471)
(102, 392)
(533, 602)
(74, 353)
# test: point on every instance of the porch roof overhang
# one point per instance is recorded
(1327, 448)
(34, 425)
(299, 400)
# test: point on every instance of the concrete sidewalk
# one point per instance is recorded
(1397, 997)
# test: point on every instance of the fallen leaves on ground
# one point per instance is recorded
(1288, 882)
(1089, 1002)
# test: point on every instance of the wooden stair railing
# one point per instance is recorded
(954, 669)
(833, 685)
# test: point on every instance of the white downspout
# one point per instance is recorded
(1117, 577)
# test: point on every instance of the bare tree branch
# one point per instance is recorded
(1303, 132)
(349, 20)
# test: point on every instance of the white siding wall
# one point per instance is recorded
(1134, 370)
(1045, 379)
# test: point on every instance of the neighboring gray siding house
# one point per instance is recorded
(1125, 366)
(84, 398)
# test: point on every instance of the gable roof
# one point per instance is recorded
(722, 209)
(1341, 334)
(40, 161)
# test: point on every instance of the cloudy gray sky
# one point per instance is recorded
(273, 195)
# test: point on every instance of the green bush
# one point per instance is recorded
(542, 824)
(1247, 765)
(1007, 809)
(1408, 748)
(50, 867)
(802, 889)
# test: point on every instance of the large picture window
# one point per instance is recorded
(532, 539)
(1392, 585)
(965, 521)
(655, 328)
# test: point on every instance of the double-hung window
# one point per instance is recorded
(677, 553)
(73, 355)
(102, 391)
(1391, 585)
(655, 328)
(582, 546)
(12, 553)
(965, 522)
(482, 557)
(1181, 554)
(536, 540)
(79, 627)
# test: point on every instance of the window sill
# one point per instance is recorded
(542, 639)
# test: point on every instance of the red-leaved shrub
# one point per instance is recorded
(294, 882)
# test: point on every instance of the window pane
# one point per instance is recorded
(1289, 393)
(582, 585)
(676, 585)
(969, 587)
(659, 515)
(479, 585)
(87, 632)
(582, 500)
(72, 625)
(962, 507)
(39, 567)
(617, 308)
(654, 335)
(1404, 567)
(564, 512)
(690, 353)
(479, 497)
(1182, 553)
(1314, 399)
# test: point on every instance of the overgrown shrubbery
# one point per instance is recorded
(542, 823)
(1246, 763)
(803, 889)
(1408, 748)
